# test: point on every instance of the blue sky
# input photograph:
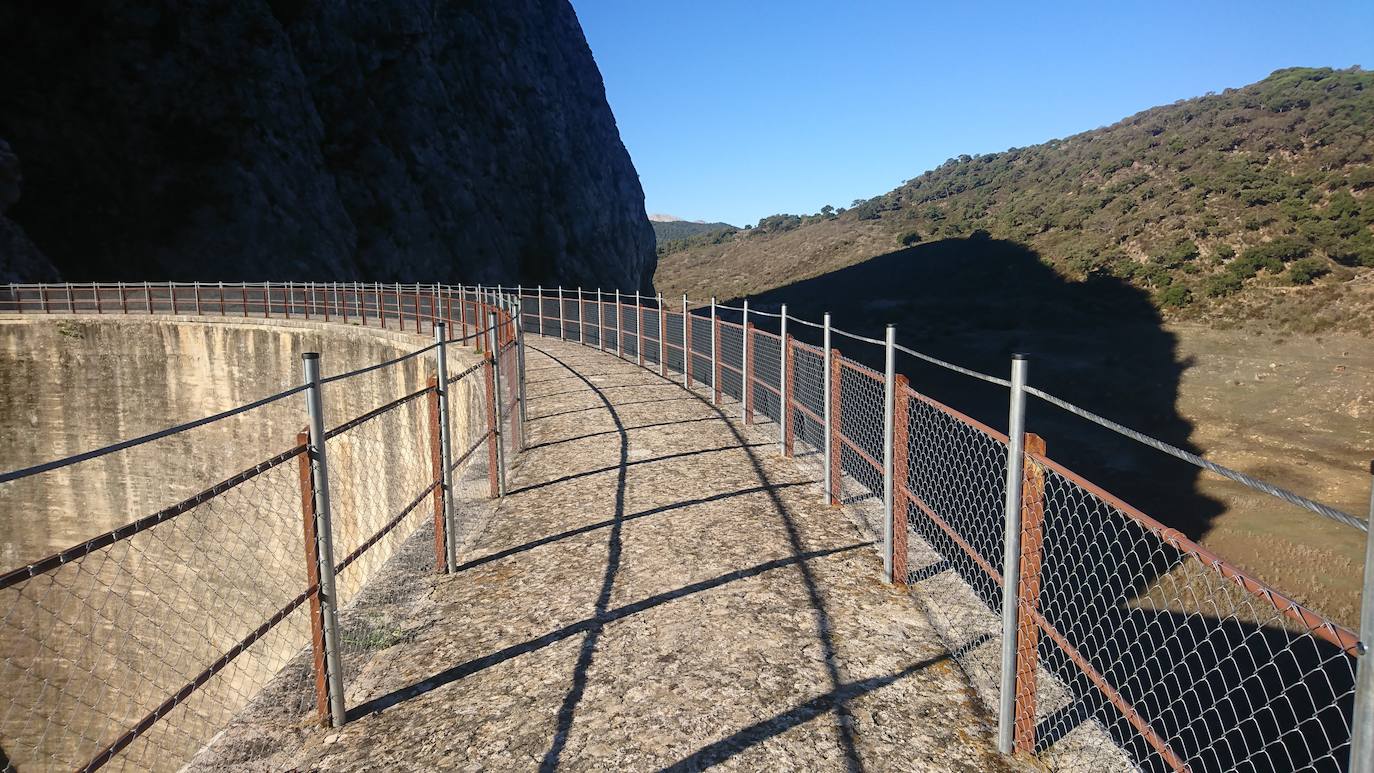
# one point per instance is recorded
(737, 110)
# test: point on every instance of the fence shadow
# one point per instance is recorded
(1228, 687)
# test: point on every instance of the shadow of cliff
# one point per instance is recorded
(974, 302)
(1222, 683)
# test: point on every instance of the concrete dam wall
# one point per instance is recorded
(127, 625)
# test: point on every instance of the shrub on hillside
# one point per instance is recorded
(1173, 257)
(909, 238)
(1221, 285)
(1285, 250)
(1175, 296)
(1248, 265)
(1302, 272)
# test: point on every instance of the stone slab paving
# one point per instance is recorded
(659, 591)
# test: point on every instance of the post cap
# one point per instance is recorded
(1020, 356)
(310, 356)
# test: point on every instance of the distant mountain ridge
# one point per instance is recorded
(1252, 205)
(667, 231)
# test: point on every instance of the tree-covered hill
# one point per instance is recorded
(675, 231)
(1253, 204)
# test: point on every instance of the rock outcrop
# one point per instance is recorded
(414, 140)
(20, 260)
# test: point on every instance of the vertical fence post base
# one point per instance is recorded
(312, 580)
(319, 484)
(900, 469)
(1027, 632)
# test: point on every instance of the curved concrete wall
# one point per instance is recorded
(181, 594)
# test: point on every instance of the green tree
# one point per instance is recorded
(1304, 271)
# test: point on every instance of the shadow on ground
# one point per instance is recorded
(1228, 690)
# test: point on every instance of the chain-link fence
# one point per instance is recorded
(1100, 637)
(131, 648)
(1131, 647)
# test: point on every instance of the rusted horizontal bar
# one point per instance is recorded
(982, 563)
(375, 412)
(42, 566)
(382, 532)
(151, 718)
(1138, 722)
(856, 449)
(807, 412)
(476, 445)
(966, 419)
(845, 362)
(1318, 625)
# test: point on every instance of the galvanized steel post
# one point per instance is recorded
(1011, 551)
(581, 318)
(520, 370)
(715, 372)
(494, 351)
(619, 326)
(889, 427)
(782, 382)
(826, 397)
(319, 476)
(686, 346)
(539, 308)
(744, 365)
(562, 335)
(445, 446)
(662, 337)
(1362, 726)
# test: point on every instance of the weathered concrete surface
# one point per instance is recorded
(659, 590)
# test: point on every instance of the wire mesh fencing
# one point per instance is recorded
(1102, 639)
(131, 648)
(1135, 648)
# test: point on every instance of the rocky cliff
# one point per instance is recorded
(252, 139)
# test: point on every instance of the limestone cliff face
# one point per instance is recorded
(411, 140)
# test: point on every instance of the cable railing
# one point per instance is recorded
(132, 648)
(1100, 636)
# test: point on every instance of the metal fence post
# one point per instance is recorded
(600, 320)
(562, 334)
(639, 329)
(319, 475)
(782, 381)
(581, 318)
(539, 309)
(744, 368)
(662, 337)
(520, 371)
(826, 396)
(445, 446)
(715, 357)
(686, 345)
(495, 351)
(889, 427)
(1362, 729)
(1011, 552)
(619, 326)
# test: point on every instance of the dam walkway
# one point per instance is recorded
(659, 590)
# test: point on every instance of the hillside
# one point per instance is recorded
(672, 234)
(1252, 206)
(420, 141)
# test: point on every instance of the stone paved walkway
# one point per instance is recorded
(659, 591)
